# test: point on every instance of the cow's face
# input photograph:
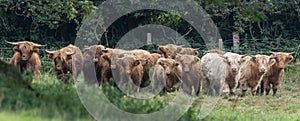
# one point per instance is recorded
(234, 60)
(282, 59)
(187, 61)
(264, 62)
(169, 65)
(127, 63)
(61, 59)
(25, 48)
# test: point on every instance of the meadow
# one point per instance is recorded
(45, 98)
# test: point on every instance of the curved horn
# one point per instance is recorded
(49, 52)
(13, 43)
(291, 53)
(38, 45)
(70, 53)
(272, 52)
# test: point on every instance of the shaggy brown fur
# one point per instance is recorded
(168, 72)
(191, 74)
(26, 56)
(252, 71)
(275, 74)
(67, 60)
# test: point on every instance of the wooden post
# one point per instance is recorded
(236, 41)
(149, 39)
(220, 44)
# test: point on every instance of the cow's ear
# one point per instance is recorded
(16, 48)
(196, 59)
(272, 61)
(290, 58)
(50, 54)
(225, 58)
(136, 62)
(105, 57)
(35, 49)
(253, 58)
(161, 48)
(177, 58)
(196, 52)
(160, 63)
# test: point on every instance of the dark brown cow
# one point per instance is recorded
(26, 56)
(131, 68)
(168, 72)
(67, 60)
(191, 74)
(274, 75)
(91, 57)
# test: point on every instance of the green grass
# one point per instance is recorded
(53, 100)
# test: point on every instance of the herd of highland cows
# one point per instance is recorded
(174, 67)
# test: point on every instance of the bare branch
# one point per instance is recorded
(184, 34)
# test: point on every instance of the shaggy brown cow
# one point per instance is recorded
(188, 51)
(168, 72)
(214, 51)
(26, 56)
(91, 57)
(191, 74)
(252, 71)
(66, 60)
(170, 50)
(131, 68)
(274, 75)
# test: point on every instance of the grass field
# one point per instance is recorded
(52, 100)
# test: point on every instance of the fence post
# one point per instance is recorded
(236, 41)
(149, 39)
(220, 44)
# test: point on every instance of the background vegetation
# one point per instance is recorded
(263, 25)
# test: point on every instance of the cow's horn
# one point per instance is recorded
(49, 52)
(70, 53)
(291, 53)
(13, 43)
(38, 45)
(272, 52)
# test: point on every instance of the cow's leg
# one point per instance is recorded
(262, 87)
(244, 86)
(275, 87)
(267, 87)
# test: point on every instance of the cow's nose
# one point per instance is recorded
(262, 70)
(168, 73)
(186, 69)
(234, 69)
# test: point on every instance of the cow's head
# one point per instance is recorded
(170, 50)
(127, 63)
(264, 62)
(234, 60)
(187, 61)
(169, 65)
(62, 58)
(282, 59)
(25, 48)
(189, 51)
